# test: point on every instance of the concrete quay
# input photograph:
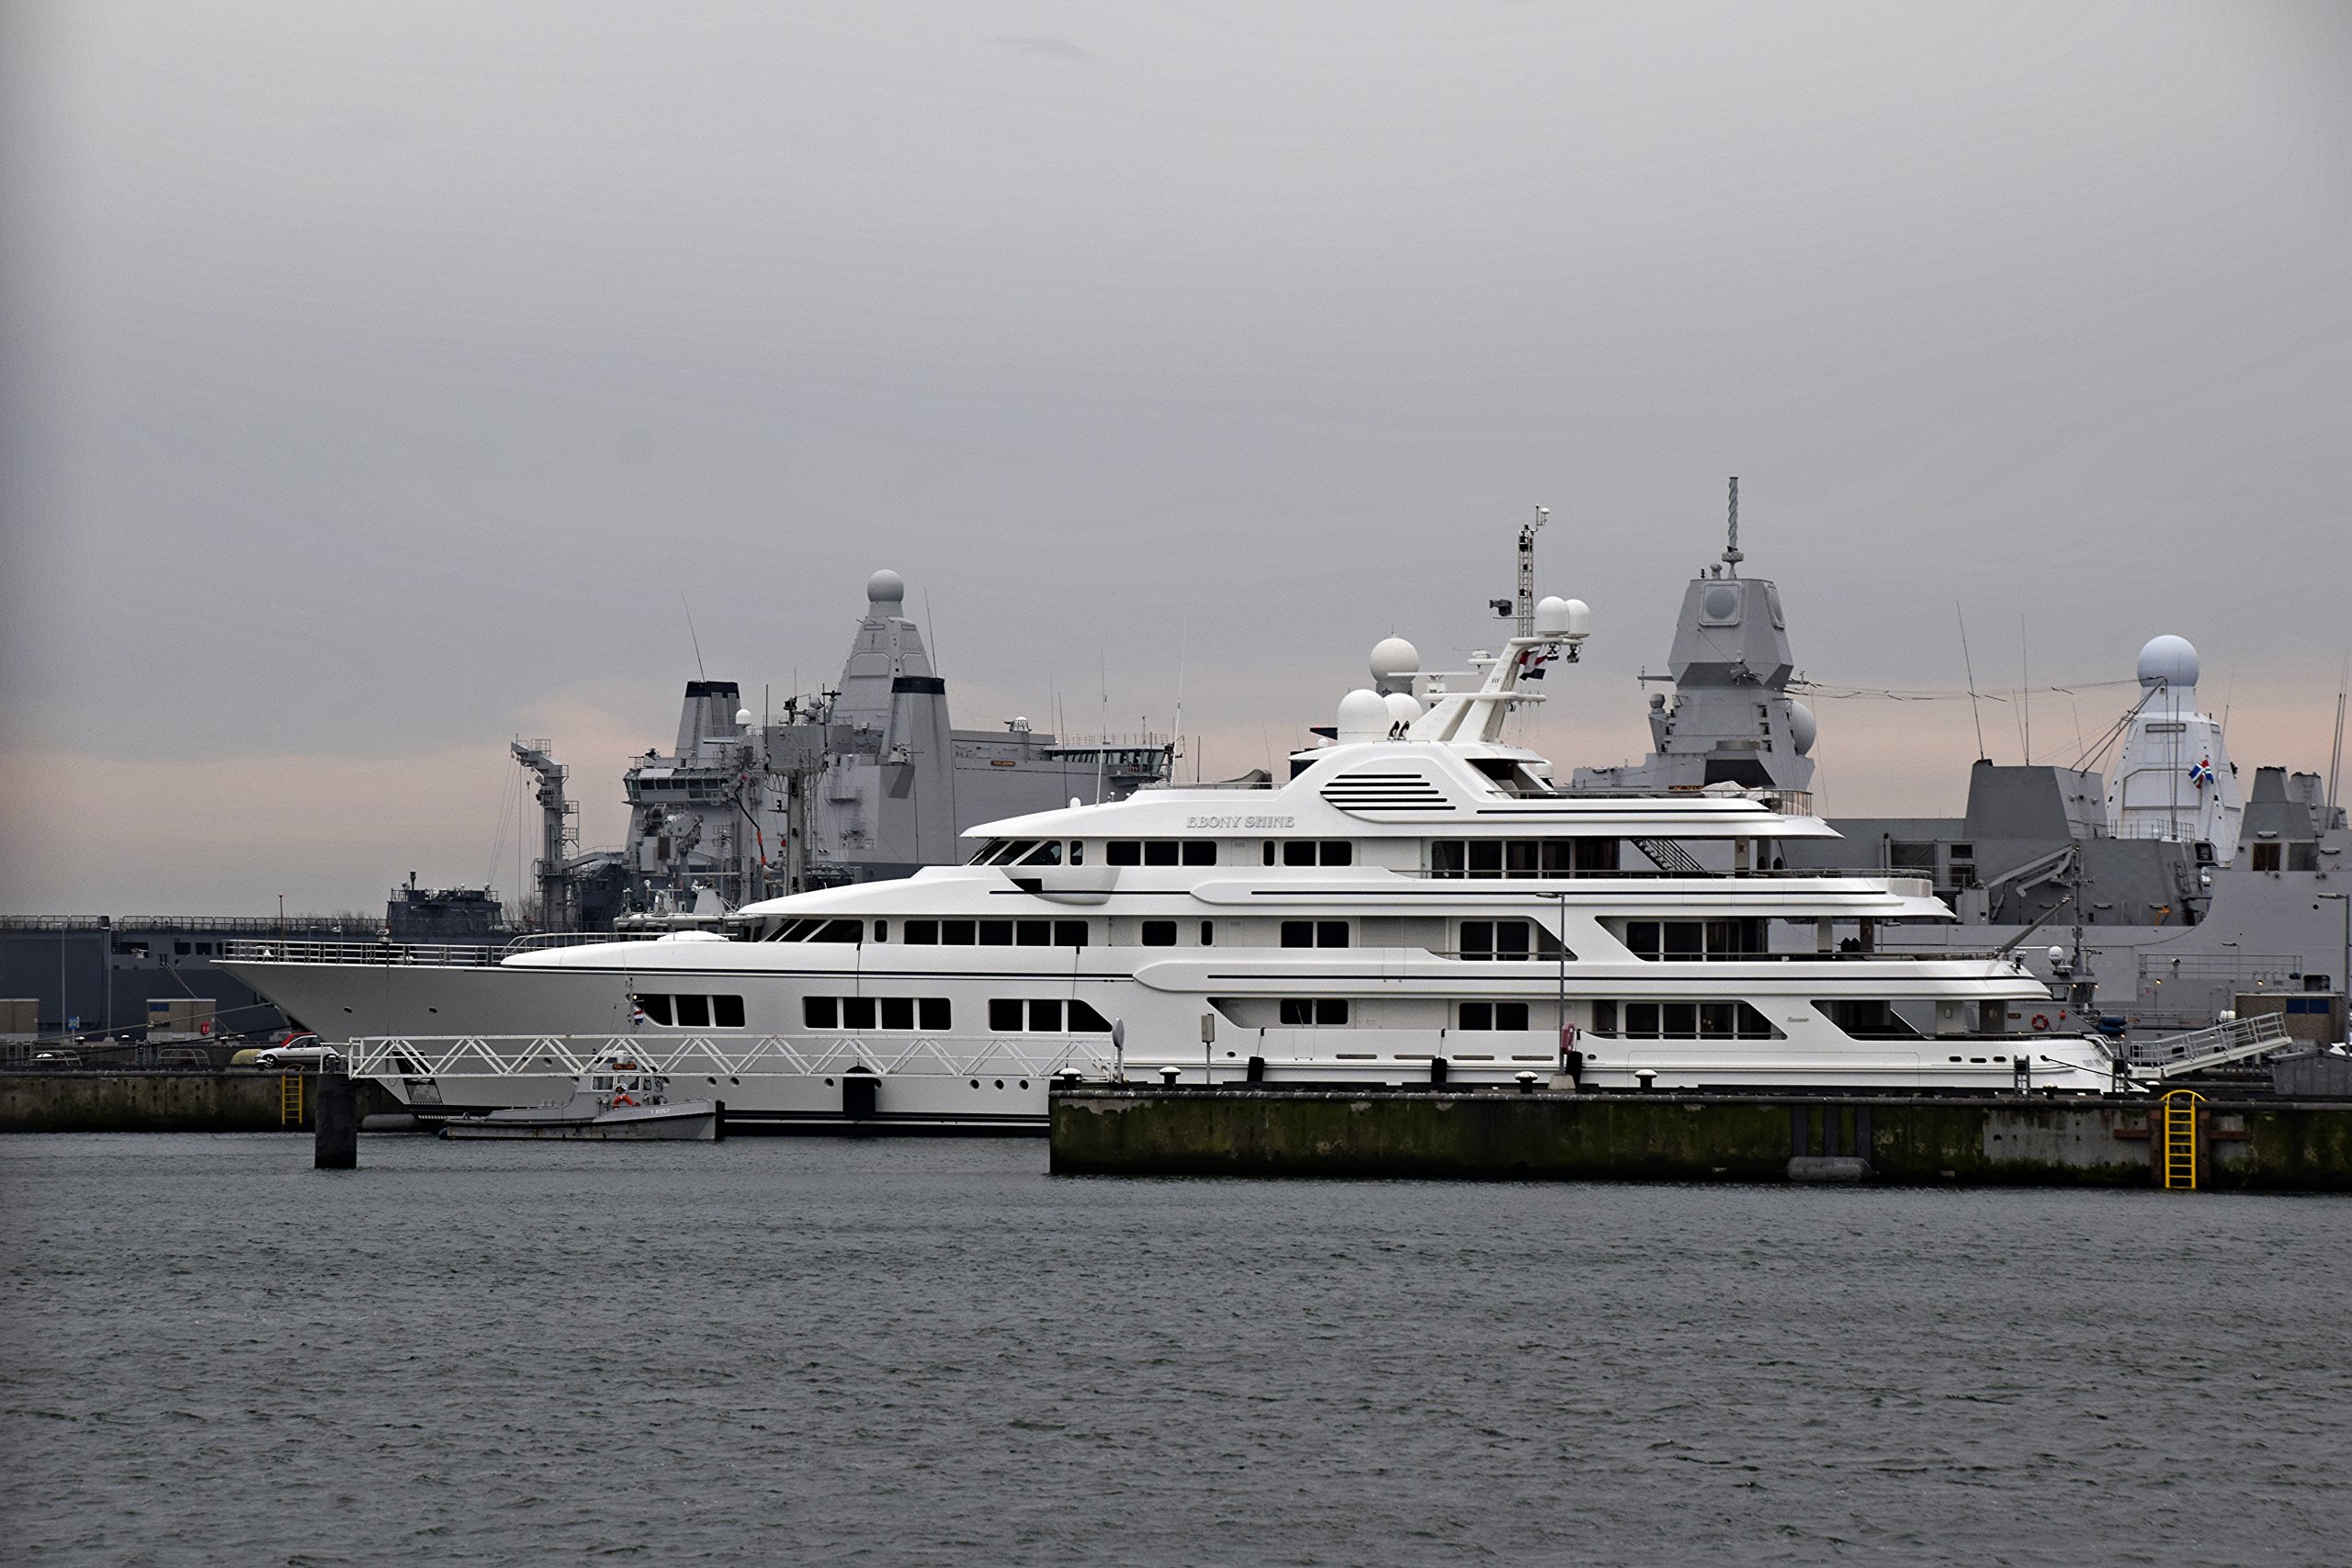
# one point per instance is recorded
(2250, 1145)
(232, 1100)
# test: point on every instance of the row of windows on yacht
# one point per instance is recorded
(1738, 938)
(1557, 856)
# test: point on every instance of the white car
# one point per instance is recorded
(301, 1051)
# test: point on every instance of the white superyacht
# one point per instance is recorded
(1416, 902)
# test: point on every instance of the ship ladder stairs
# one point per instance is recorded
(2178, 1152)
(1670, 857)
(290, 1101)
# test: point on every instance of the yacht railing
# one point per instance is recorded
(723, 1054)
(463, 955)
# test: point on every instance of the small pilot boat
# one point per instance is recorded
(616, 1097)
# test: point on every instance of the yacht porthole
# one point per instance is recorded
(976, 1083)
(735, 1080)
(1024, 1083)
(710, 1080)
(829, 1083)
(999, 1083)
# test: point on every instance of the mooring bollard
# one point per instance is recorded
(334, 1117)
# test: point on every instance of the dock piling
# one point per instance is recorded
(336, 1120)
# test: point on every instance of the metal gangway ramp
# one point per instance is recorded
(2240, 1039)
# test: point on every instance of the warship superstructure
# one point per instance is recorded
(866, 779)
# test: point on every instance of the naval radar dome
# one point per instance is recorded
(885, 587)
(2169, 661)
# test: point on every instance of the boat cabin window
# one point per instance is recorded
(1867, 1019)
(691, 1012)
(1159, 851)
(1480, 1016)
(1315, 933)
(1314, 851)
(1509, 940)
(1208, 933)
(1047, 853)
(1310, 1012)
(806, 929)
(1013, 851)
(1687, 940)
(930, 1013)
(1159, 934)
(1077, 852)
(1017, 1015)
(1522, 857)
(1681, 1021)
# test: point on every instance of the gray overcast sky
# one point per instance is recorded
(377, 379)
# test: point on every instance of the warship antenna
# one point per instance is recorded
(2335, 755)
(1970, 664)
(689, 609)
(1732, 557)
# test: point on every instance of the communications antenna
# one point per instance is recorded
(1732, 557)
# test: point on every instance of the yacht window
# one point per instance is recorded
(1507, 940)
(838, 930)
(1070, 933)
(1200, 851)
(986, 855)
(1208, 933)
(897, 1012)
(1035, 934)
(996, 933)
(1084, 1019)
(1123, 851)
(1045, 1017)
(1683, 1021)
(1315, 933)
(1486, 857)
(1522, 857)
(1004, 1015)
(694, 1012)
(655, 1008)
(727, 1013)
(1867, 1019)
(1298, 851)
(1077, 852)
(1446, 858)
(1047, 853)
(922, 933)
(820, 1012)
(936, 1013)
(857, 1012)
(881, 930)
(957, 933)
(1687, 940)
(1159, 934)
(1337, 851)
(1270, 851)
(1479, 1016)
(1161, 852)
(1299, 1012)
(1012, 851)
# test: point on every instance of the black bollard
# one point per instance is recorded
(334, 1116)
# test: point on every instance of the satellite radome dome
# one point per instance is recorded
(2170, 661)
(1395, 661)
(1363, 715)
(885, 587)
(1803, 728)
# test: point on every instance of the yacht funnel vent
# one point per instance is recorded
(1385, 790)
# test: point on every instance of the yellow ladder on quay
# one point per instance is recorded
(2178, 1153)
(290, 1101)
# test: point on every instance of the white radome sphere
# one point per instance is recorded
(1363, 715)
(1403, 709)
(2169, 661)
(1803, 729)
(743, 719)
(885, 587)
(1395, 661)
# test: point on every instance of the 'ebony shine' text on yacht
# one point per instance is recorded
(1416, 901)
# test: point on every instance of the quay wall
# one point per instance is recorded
(223, 1100)
(1149, 1130)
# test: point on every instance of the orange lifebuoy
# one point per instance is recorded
(623, 1099)
(2042, 1020)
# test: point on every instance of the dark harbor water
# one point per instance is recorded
(933, 1352)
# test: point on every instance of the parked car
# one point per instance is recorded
(297, 1052)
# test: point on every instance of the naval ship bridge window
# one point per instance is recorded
(1018, 1015)
(930, 1013)
(1307, 1011)
(1508, 941)
(1159, 851)
(1522, 857)
(1483, 1016)
(1686, 939)
(1681, 1021)
(1315, 933)
(691, 1012)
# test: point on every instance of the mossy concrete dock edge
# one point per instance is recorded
(233, 1100)
(2249, 1145)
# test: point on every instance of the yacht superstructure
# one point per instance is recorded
(1415, 902)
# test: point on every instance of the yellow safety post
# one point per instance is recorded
(2178, 1152)
(290, 1101)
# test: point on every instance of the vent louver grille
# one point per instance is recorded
(1386, 792)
